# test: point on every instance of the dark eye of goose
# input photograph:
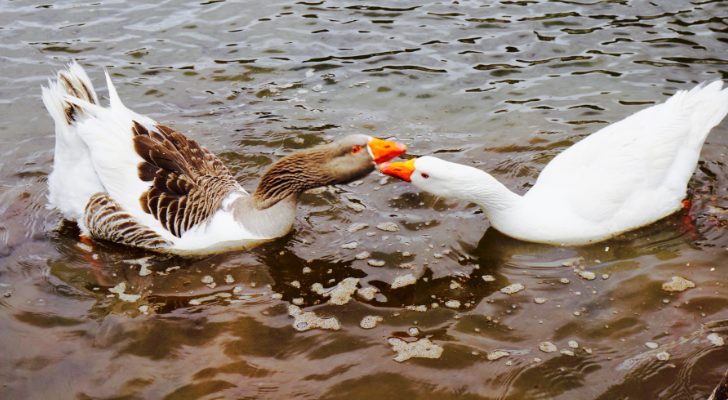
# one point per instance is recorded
(355, 149)
(424, 175)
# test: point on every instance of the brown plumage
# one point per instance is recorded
(105, 219)
(140, 183)
(322, 165)
(188, 182)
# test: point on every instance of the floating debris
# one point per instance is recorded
(422, 348)
(437, 255)
(547, 347)
(295, 284)
(144, 270)
(367, 293)
(363, 255)
(539, 300)
(144, 264)
(357, 227)
(350, 245)
(511, 289)
(588, 275)
(405, 280)
(297, 301)
(421, 308)
(207, 279)
(306, 270)
(318, 288)
(652, 345)
(573, 344)
(536, 360)
(716, 339)
(339, 294)
(452, 304)
(408, 265)
(144, 309)
(388, 227)
(571, 262)
(229, 279)
(564, 280)
(494, 355)
(663, 356)
(605, 276)
(567, 352)
(120, 289)
(406, 254)
(200, 300)
(375, 263)
(413, 331)
(455, 285)
(237, 289)
(277, 296)
(309, 320)
(489, 278)
(310, 73)
(370, 321)
(356, 206)
(678, 284)
(317, 88)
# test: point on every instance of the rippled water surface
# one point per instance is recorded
(503, 86)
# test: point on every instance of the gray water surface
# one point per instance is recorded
(503, 86)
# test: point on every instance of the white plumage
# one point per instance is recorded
(622, 177)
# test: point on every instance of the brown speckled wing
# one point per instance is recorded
(105, 219)
(188, 182)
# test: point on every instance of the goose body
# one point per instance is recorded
(124, 177)
(623, 177)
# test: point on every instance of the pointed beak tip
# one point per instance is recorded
(401, 170)
(385, 151)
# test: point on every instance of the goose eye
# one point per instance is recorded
(424, 175)
(355, 149)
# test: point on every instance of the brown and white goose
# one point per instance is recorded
(126, 178)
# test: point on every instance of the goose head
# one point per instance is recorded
(341, 161)
(439, 177)
(455, 181)
(353, 157)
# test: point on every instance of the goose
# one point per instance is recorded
(125, 178)
(625, 176)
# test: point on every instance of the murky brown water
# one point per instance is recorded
(501, 85)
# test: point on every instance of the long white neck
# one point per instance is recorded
(484, 190)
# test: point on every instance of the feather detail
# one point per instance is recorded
(105, 219)
(188, 182)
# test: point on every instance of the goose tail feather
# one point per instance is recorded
(70, 99)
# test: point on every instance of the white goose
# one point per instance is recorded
(623, 177)
(126, 178)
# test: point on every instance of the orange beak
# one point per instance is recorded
(383, 150)
(401, 170)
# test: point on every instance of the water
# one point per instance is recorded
(503, 86)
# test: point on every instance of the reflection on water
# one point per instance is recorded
(501, 86)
